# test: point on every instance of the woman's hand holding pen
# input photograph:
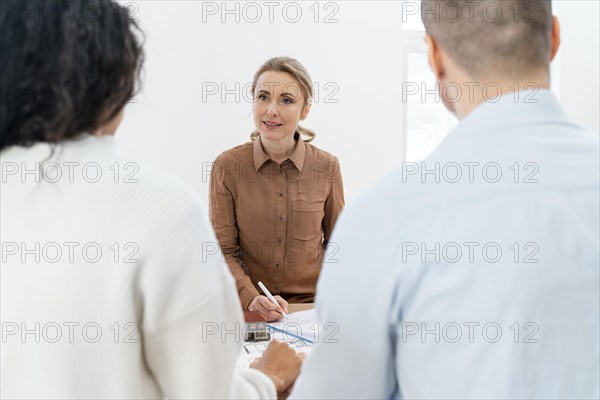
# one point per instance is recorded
(267, 309)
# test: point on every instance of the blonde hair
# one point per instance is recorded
(294, 68)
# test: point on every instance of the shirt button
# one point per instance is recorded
(280, 194)
(280, 218)
(277, 265)
(277, 288)
(279, 241)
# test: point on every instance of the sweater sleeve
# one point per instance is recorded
(193, 356)
(191, 316)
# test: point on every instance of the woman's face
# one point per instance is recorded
(279, 105)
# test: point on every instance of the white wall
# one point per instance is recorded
(174, 128)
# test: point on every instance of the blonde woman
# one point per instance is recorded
(274, 200)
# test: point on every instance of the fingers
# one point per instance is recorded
(271, 316)
(275, 344)
(267, 309)
(279, 308)
(272, 312)
(285, 394)
(253, 306)
(282, 303)
(256, 362)
(266, 304)
(291, 357)
(280, 363)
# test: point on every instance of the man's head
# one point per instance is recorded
(490, 40)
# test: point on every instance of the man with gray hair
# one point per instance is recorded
(474, 273)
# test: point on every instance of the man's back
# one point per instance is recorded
(474, 274)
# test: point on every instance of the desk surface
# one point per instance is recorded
(300, 307)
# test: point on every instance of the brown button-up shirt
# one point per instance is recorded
(273, 221)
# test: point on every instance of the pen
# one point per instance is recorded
(270, 297)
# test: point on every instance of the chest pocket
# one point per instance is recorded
(307, 219)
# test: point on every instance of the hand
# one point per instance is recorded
(270, 311)
(282, 364)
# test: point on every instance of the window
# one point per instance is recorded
(425, 120)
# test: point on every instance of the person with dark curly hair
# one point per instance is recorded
(105, 292)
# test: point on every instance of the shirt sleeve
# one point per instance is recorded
(334, 203)
(223, 218)
(192, 325)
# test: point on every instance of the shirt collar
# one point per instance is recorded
(498, 121)
(525, 106)
(297, 157)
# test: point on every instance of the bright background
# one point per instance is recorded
(361, 54)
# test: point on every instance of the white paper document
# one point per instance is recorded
(299, 330)
(253, 350)
(301, 325)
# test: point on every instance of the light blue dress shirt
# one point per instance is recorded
(474, 274)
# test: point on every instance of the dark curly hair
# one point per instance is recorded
(66, 67)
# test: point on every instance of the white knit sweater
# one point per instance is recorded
(112, 282)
